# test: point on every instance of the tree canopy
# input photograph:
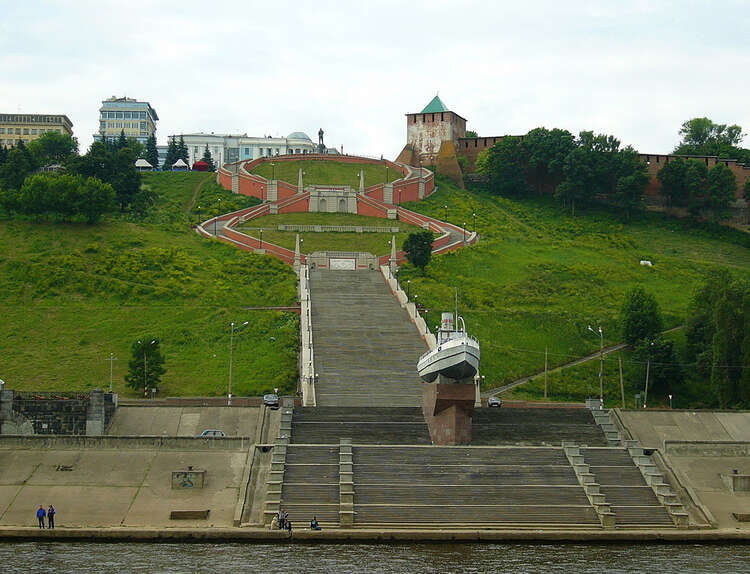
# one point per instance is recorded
(418, 248)
(146, 365)
(701, 136)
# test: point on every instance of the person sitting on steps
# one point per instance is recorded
(314, 524)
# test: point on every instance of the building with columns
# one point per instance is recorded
(228, 148)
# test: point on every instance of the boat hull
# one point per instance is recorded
(456, 360)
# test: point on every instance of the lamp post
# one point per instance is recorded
(231, 358)
(408, 288)
(261, 238)
(670, 401)
(416, 306)
(386, 174)
(273, 171)
(112, 358)
(446, 213)
(145, 371)
(199, 214)
(474, 215)
(464, 232)
(601, 364)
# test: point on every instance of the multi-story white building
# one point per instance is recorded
(227, 148)
(136, 119)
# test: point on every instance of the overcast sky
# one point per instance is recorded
(634, 69)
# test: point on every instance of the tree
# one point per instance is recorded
(631, 178)
(208, 159)
(172, 155)
(122, 141)
(696, 183)
(505, 165)
(146, 365)
(182, 151)
(547, 151)
(701, 136)
(151, 154)
(418, 248)
(53, 148)
(665, 373)
(126, 178)
(15, 169)
(64, 197)
(640, 316)
(672, 179)
(726, 348)
(471, 134)
(722, 185)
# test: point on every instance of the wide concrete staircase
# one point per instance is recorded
(363, 425)
(311, 484)
(535, 426)
(366, 348)
(632, 501)
(413, 487)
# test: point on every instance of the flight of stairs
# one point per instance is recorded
(366, 347)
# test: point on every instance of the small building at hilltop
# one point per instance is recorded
(427, 130)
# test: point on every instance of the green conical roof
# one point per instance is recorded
(436, 105)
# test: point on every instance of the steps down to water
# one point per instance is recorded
(632, 501)
(366, 348)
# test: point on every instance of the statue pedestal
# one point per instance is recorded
(448, 406)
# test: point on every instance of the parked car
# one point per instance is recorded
(271, 400)
(211, 433)
(495, 402)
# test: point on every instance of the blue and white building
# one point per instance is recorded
(137, 119)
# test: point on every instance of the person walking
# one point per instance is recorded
(51, 516)
(40, 514)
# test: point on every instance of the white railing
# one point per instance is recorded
(410, 307)
(307, 355)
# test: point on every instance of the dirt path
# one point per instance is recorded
(196, 191)
(607, 350)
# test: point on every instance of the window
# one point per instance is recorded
(25, 131)
(195, 150)
(119, 124)
(33, 132)
(143, 125)
(119, 115)
(18, 131)
(2, 130)
(247, 151)
(127, 115)
(59, 131)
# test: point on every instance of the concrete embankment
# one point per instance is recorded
(370, 535)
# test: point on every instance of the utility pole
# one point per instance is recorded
(545, 373)
(622, 386)
(112, 358)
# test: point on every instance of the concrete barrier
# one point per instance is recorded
(122, 442)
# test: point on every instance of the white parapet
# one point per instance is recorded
(307, 354)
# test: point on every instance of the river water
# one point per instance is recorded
(162, 558)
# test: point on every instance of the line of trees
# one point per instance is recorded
(578, 171)
(595, 168)
(105, 174)
(718, 338)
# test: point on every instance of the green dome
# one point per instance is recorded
(298, 136)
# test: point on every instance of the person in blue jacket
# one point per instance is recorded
(40, 514)
(51, 516)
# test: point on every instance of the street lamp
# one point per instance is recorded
(601, 364)
(261, 238)
(199, 214)
(408, 288)
(386, 174)
(112, 358)
(273, 171)
(231, 358)
(145, 372)
(446, 213)
(474, 215)
(464, 232)
(670, 401)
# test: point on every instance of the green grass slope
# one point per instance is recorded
(370, 242)
(73, 294)
(326, 172)
(539, 277)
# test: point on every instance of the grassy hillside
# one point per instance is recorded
(326, 172)
(375, 243)
(539, 277)
(73, 294)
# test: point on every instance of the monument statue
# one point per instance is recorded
(321, 145)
